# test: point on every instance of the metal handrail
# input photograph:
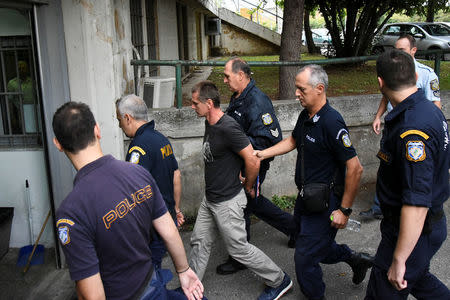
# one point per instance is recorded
(179, 63)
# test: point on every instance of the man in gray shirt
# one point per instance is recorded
(226, 149)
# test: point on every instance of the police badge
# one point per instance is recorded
(63, 233)
(267, 119)
(134, 159)
(346, 140)
(415, 151)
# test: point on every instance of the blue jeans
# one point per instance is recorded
(156, 289)
(157, 246)
(376, 205)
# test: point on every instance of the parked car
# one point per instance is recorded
(320, 37)
(445, 23)
(429, 36)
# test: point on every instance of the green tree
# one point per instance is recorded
(430, 8)
(290, 45)
(353, 23)
(309, 8)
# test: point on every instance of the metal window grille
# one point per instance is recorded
(19, 113)
(151, 34)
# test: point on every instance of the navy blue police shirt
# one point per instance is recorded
(104, 225)
(327, 146)
(152, 150)
(414, 155)
(253, 110)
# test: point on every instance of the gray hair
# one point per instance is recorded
(317, 75)
(134, 106)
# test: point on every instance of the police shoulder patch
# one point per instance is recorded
(63, 233)
(437, 93)
(346, 140)
(415, 151)
(137, 149)
(134, 158)
(434, 85)
(267, 119)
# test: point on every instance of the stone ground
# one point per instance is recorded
(46, 282)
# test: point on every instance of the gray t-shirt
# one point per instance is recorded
(221, 145)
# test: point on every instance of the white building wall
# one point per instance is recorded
(192, 35)
(13, 194)
(166, 13)
(204, 38)
(98, 45)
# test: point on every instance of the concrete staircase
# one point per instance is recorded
(249, 26)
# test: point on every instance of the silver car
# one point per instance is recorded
(429, 36)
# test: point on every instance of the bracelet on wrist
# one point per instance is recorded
(183, 270)
(178, 212)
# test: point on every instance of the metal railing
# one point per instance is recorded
(179, 63)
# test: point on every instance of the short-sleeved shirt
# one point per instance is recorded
(152, 150)
(327, 146)
(221, 144)
(414, 155)
(427, 81)
(104, 225)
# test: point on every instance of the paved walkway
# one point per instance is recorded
(45, 282)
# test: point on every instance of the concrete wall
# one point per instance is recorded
(166, 14)
(14, 194)
(185, 131)
(237, 41)
(98, 45)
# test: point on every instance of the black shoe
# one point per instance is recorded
(371, 214)
(231, 266)
(360, 263)
(291, 242)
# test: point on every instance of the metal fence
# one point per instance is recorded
(178, 64)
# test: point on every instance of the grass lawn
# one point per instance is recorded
(343, 79)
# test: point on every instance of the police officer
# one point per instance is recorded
(412, 185)
(253, 110)
(427, 81)
(327, 174)
(152, 150)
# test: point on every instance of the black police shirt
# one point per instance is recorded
(327, 146)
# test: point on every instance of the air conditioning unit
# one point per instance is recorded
(158, 92)
(212, 26)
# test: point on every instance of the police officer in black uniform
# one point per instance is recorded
(152, 150)
(253, 110)
(327, 175)
(412, 185)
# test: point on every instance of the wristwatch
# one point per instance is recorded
(345, 211)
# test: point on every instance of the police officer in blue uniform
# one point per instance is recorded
(327, 175)
(152, 150)
(412, 185)
(427, 81)
(253, 110)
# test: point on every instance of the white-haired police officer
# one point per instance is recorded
(326, 160)
(412, 185)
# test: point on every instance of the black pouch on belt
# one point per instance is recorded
(315, 197)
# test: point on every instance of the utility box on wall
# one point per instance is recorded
(158, 92)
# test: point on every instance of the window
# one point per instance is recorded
(143, 34)
(436, 30)
(392, 30)
(19, 102)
